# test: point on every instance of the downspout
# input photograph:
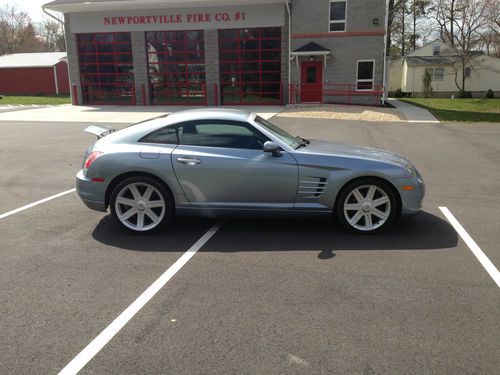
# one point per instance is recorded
(55, 69)
(289, 46)
(384, 74)
(55, 79)
(52, 16)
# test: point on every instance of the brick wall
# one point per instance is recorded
(139, 55)
(310, 23)
(212, 65)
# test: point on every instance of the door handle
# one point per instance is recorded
(189, 161)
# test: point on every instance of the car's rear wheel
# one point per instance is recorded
(367, 205)
(141, 205)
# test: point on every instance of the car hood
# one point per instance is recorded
(346, 150)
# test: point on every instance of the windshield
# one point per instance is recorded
(285, 137)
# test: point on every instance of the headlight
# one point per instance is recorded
(412, 170)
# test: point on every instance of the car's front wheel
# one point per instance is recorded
(367, 205)
(141, 204)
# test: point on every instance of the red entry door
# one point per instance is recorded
(311, 76)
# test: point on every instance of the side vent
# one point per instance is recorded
(312, 187)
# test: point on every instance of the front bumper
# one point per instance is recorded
(411, 200)
(93, 194)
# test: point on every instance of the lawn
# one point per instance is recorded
(461, 110)
(40, 100)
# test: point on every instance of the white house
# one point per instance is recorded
(441, 60)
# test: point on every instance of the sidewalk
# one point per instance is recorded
(111, 114)
(413, 113)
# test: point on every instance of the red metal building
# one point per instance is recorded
(43, 73)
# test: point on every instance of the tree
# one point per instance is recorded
(404, 14)
(17, 33)
(460, 23)
(491, 36)
(427, 83)
(418, 10)
(443, 13)
(52, 33)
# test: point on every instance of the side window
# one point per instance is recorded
(365, 73)
(438, 74)
(167, 135)
(337, 15)
(225, 134)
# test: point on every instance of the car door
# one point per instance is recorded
(221, 164)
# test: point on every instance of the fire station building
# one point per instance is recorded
(224, 52)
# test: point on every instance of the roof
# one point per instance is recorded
(431, 60)
(312, 47)
(209, 113)
(67, 6)
(31, 60)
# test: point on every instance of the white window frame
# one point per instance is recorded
(436, 48)
(365, 80)
(344, 21)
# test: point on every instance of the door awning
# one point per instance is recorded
(312, 49)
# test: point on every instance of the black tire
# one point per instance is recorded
(370, 218)
(163, 215)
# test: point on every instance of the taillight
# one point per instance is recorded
(91, 158)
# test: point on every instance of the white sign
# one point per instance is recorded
(266, 15)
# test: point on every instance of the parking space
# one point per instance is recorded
(263, 295)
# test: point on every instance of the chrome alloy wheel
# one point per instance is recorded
(140, 206)
(367, 207)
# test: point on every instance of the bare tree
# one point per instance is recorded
(52, 33)
(443, 13)
(418, 10)
(17, 33)
(392, 10)
(460, 24)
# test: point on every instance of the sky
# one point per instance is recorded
(32, 7)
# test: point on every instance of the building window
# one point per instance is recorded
(467, 71)
(106, 68)
(365, 73)
(436, 50)
(438, 74)
(337, 15)
(176, 66)
(250, 65)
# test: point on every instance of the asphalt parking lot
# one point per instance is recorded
(262, 296)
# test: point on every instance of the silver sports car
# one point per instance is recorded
(221, 161)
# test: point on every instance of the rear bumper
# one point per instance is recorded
(93, 194)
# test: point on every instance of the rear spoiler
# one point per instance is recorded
(99, 130)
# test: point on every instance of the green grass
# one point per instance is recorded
(39, 100)
(460, 110)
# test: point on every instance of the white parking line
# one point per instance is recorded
(3, 216)
(476, 250)
(110, 331)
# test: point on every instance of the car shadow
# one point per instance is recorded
(423, 231)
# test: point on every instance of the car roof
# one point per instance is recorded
(208, 114)
(131, 133)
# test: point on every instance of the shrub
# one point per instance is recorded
(464, 94)
(427, 84)
(489, 94)
(399, 93)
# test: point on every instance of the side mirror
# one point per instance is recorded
(273, 148)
